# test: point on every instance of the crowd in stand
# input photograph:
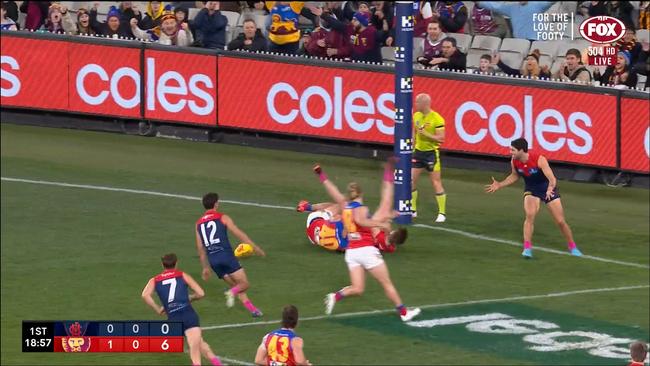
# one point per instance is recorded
(348, 30)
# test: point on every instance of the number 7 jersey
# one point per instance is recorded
(172, 290)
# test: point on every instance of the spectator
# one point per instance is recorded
(210, 26)
(452, 16)
(629, 43)
(128, 11)
(82, 26)
(597, 8)
(306, 37)
(638, 353)
(572, 68)
(53, 23)
(112, 27)
(251, 40)
(363, 36)
(153, 15)
(432, 44)
(482, 21)
(256, 8)
(521, 15)
(284, 35)
(36, 13)
(452, 59)
(168, 32)
(643, 65)
(233, 6)
(485, 65)
(12, 10)
(531, 68)
(644, 15)
(621, 10)
(326, 41)
(181, 15)
(382, 20)
(582, 12)
(7, 23)
(619, 74)
(422, 18)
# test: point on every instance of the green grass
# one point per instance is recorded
(70, 253)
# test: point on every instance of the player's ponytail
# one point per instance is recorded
(354, 191)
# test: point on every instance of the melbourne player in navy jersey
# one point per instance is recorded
(540, 186)
(283, 346)
(216, 252)
(173, 289)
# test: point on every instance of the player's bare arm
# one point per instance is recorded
(360, 216)
(261, 358)
(548, 172)
(496, 185)
(298, 354)
(205, 266)
(241, 235)
(198, 292)
(147, 296)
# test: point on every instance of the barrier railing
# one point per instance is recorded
(571, 123)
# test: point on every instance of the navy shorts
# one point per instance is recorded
(224, 264)
(540, 192)
(187, 315)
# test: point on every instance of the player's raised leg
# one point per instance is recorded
(557, 212)
(206, 351)
(381, 274)
(385, 210)
(356, 288)
(531, 208)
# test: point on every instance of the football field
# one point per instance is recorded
(87, 215)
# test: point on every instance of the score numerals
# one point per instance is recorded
(140, 344)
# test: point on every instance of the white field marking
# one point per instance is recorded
(432, 306)
(536, 247)
(439, 228)
(230, 361)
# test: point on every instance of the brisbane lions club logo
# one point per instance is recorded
(75, 341)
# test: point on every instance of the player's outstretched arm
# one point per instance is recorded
(198, 292)
(496, 185)
(331, 189)
(205, 266)
(360, 216)
(241, 235)
(298, 353)
(261, 355)
(147, 296)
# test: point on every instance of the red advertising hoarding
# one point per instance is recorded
(635, 135)
(103, 84)
(354, 105)
(180, 87)
(34, 73)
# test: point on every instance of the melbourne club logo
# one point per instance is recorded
(406, 85)
(405, 146)
(407, 23)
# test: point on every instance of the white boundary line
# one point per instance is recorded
(433, 306)
(439, 228)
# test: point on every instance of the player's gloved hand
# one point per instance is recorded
(205, 274)
(304, 206)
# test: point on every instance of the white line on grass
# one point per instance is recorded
(439, 228)
(432, 306)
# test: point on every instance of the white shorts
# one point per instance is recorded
(368, 257)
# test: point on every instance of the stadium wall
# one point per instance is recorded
(325, 100)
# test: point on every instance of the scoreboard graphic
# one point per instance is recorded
(102, 336)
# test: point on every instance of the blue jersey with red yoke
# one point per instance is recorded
(172, 290)
(530, 171)
(213, 234)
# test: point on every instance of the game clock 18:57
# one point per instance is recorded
(38, 337)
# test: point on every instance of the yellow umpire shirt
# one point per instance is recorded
(431, 121)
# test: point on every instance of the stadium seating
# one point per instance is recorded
(486, 43)
(512, 59)
(418, 48)
(388, 54)
(463, 41)
(548, 48)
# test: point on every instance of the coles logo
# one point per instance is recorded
(570, 131)
(602, 29)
